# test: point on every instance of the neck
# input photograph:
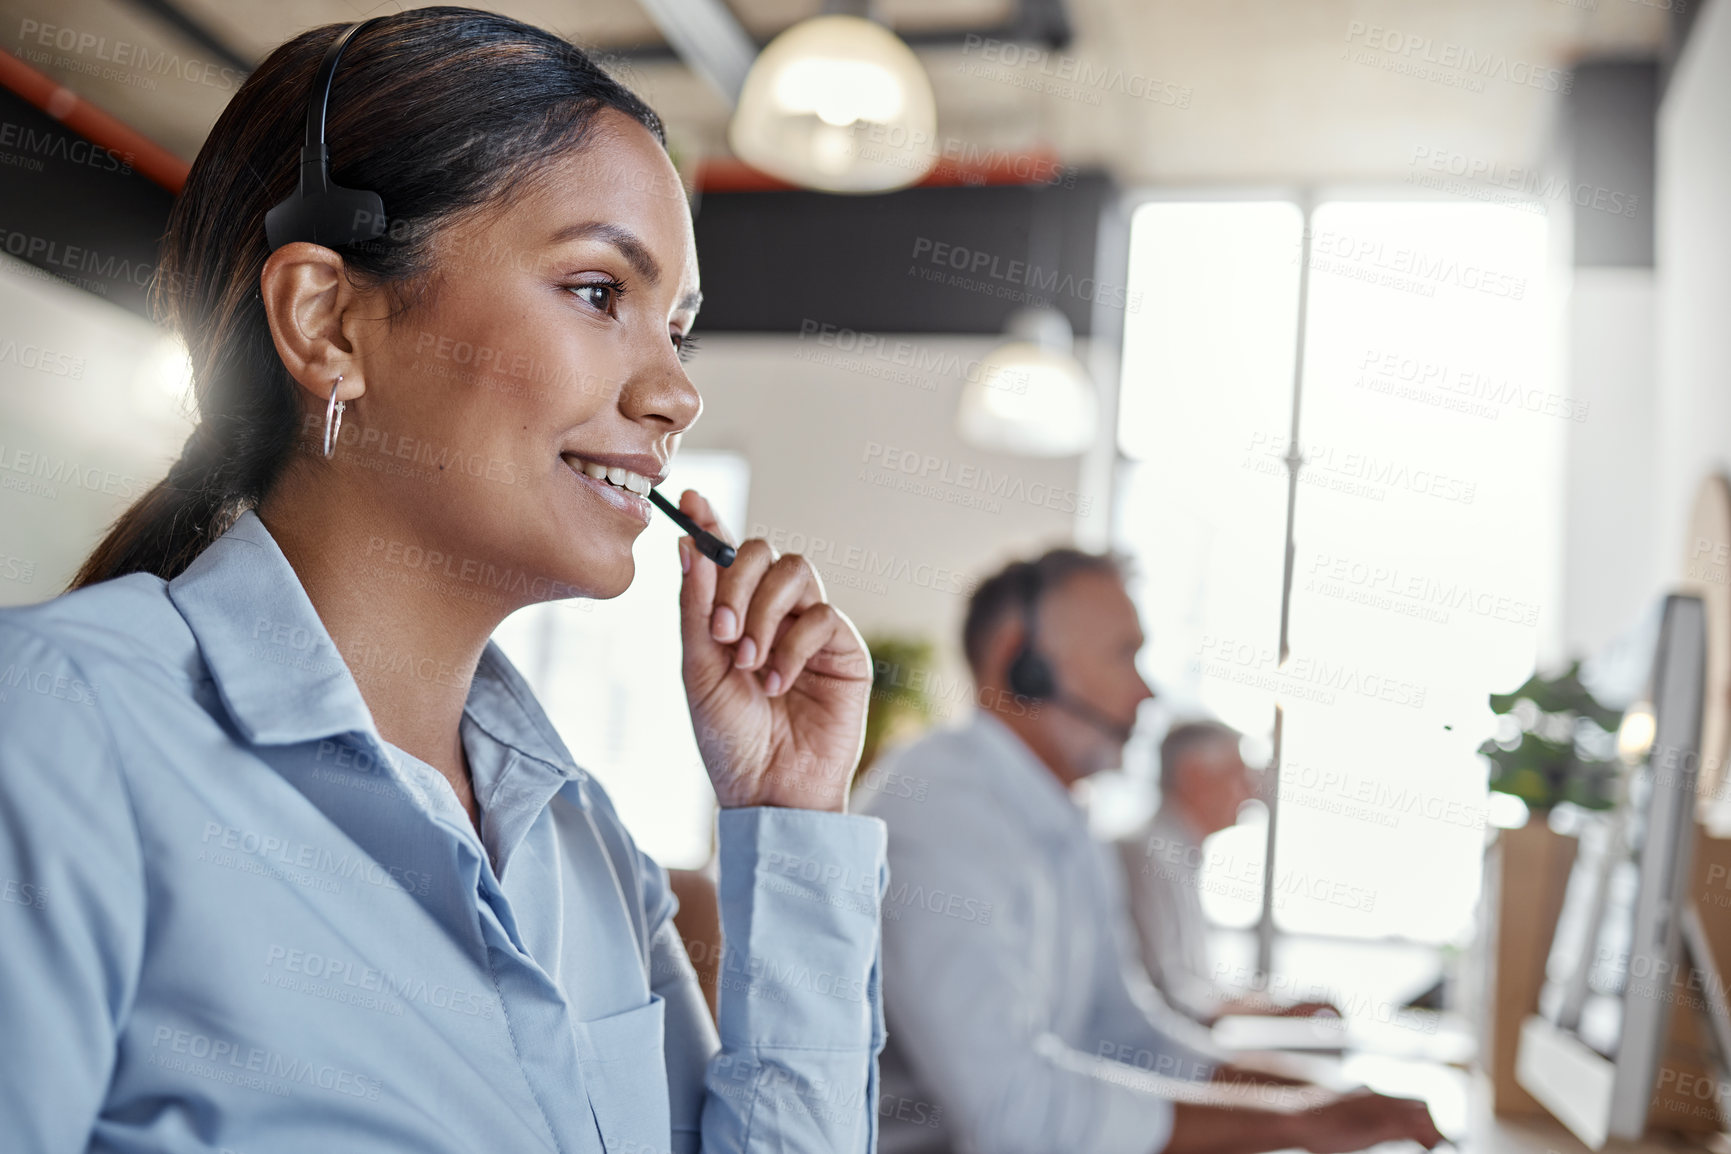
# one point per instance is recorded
(1186, 815)
(412, 649)
(1035, 734)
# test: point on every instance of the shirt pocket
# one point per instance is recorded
(624, 1063)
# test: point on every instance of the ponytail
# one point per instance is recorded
(205, 490)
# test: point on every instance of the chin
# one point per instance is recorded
(584, 560)
(609, 589)
(595, 578)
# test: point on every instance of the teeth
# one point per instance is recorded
(614, 475)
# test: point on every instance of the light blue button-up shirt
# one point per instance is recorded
(1019, 1023)
(232, 917)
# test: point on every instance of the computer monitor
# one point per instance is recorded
(1592, 1054)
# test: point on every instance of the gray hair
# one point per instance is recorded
(1186, 738)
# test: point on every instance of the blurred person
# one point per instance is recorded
(1018, 1021)
(1203, 784)
(305, 865)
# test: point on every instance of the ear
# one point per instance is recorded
(312, 310)
(1006, 640)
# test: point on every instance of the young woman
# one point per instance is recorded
(292, 859)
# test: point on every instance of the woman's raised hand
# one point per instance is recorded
(777, 677)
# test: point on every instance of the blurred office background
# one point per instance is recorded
(1487, 243)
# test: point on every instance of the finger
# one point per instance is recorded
(697, 589)
(696, 506)
(812, 630)
(735, 586)
(696, 607)
(790, 585)
(1425, 1131)
(1420, 1130)
(1410, 1118)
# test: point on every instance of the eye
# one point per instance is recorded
(607, 293)
(687, 345)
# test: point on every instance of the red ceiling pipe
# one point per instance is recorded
(147, 158)
(719, 174)
(727, 174)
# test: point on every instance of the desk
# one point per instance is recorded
(1460, 1101)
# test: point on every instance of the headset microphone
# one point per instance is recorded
(708, 543)
(1117, 730)
(1030, 675)
(326, 213)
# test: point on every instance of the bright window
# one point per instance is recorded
(1425, 528)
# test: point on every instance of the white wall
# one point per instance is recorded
(89, 419)
(819, 422)
(1613, 557)
(1694, 269)
(1650, 353)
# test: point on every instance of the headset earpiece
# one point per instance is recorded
(318, 210)
(1030, 674)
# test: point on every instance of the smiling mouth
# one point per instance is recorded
(612, 474)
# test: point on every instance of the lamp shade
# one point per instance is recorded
(840, 104)
(1030, 395)
(1030, 400)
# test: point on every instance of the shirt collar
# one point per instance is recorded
(1020, 779)
(280, 675)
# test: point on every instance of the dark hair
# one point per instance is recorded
(1005, 593)
(1184, 739)
(441, 111)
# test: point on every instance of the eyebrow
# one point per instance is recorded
(635, 252)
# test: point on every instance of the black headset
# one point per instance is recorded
(1030, 673)
(320, 211)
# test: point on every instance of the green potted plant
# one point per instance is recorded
(1555, 743)
(900, 704)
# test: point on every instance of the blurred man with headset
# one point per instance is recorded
(1018, 1020)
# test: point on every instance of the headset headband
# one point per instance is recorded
(1030, 674)
(320, 211)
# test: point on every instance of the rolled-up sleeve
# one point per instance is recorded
(71, 898)
(800, 1004)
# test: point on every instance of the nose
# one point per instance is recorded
(1147, 690)
(662, 396)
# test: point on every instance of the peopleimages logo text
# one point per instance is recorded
(979, 263)
(1447, 54)
(932, 469)
(126, 55)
